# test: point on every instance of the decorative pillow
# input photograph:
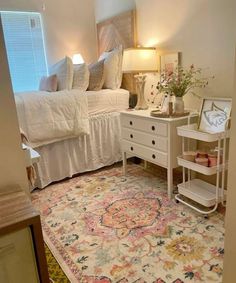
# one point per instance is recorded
(96, 75)
(113, 68)
(64, 71)
(48, 83)
(81, 77)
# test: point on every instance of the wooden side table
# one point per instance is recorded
(22, 254)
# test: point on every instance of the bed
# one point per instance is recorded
(101, 147)
(98, 145)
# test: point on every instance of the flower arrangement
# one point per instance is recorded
(181, 81)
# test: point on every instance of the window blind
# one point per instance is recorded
(24, 42)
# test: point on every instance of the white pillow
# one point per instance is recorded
(64, 71)
(81, 77)
(112, 65)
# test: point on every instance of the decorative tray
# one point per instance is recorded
(159, 114)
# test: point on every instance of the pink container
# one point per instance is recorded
(202, 161)
(202, 154)
(213, 160)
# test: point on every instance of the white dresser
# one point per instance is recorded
(152, 139)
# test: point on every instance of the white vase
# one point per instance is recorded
(179, 105)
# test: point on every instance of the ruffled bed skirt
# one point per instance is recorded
(85, 153)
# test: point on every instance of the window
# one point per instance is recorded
(25, 49)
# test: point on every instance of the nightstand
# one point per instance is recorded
(152, 139)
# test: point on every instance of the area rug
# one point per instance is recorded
(103, 227)
(55, 272)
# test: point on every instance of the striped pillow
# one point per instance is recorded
(81, 77)
(96, 77)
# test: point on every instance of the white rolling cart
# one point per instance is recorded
(206, 194)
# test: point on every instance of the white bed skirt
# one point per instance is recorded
(85, 153)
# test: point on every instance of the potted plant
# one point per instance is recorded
(180, 82)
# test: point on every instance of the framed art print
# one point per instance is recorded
(169, 62)
(215, 114)
(165, 103)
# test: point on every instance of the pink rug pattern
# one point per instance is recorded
(103, 227)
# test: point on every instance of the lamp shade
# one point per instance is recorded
(77, 59)
(139, 60)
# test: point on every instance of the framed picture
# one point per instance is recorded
(169, 62)
(165, 103)
(215, 114)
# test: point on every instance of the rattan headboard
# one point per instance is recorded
(118, 30)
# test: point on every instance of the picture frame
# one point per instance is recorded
(215, 114)
(165, 103)
(169, 62)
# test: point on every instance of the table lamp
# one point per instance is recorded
(77, 59)
(140, 60)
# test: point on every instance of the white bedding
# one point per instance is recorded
(107, 101)
(49, 117)
(100, 148)
(46, 117)
(65, 158)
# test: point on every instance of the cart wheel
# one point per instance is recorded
(206, 216)
(177, 201)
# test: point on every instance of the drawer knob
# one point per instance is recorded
(154, 156)
(131, 123)
(153, 128)
(153, 142)
(131, 148)
(131, 136)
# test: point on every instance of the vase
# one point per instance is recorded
(179, 105)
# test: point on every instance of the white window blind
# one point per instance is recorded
(24, 42)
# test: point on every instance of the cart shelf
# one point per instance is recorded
(199, 191)
(191, 131)
(200, 168)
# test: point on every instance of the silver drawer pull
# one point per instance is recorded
(131, 136)
(153, 128)
(154, 156)
(131, 148)
(131, 123)
(153, 142)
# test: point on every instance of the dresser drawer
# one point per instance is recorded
(144, 124)
(144, 152)
(154, 141)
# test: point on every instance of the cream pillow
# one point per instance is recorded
(113, 68)
(96, 75)
(81, 77)
(64, 71)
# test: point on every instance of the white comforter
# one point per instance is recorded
(49, 117)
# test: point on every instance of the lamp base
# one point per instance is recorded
(141, 107)
(140, 82)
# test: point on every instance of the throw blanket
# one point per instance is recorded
(49, 117)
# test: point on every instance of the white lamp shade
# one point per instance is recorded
(77, 59)
(140, 60)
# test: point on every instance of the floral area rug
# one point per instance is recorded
(103, 227)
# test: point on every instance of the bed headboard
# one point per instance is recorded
(119, 30)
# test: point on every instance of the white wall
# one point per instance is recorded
(203, 30)
(69, 26)
(105, 9)
(12, 167)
